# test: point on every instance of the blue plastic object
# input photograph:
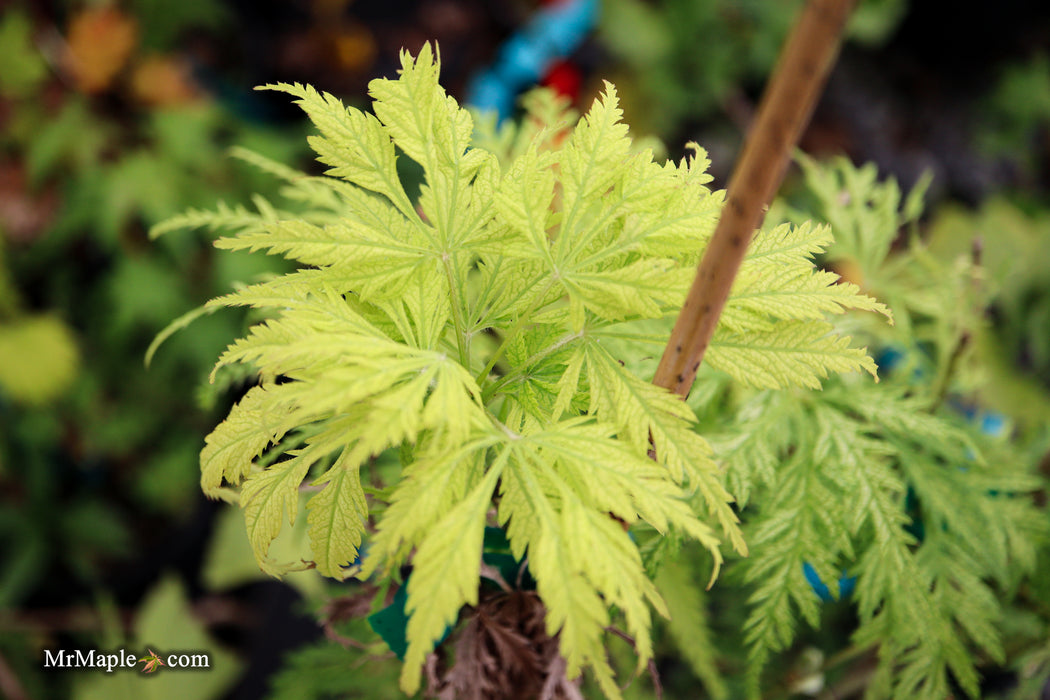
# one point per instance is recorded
(993, 423)
(522, 61)
(890, 358)
(846, 583)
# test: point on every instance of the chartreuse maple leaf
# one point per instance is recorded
(480, 327)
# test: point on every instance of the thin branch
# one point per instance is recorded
(654, 674)
(493, 574)
(790, 97)
(944, 378)
(617, 632)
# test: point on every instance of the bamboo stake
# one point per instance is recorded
(792, 92)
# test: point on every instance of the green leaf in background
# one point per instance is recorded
(1014, 346)
(874, 20)
(71, 139)
(38, 359)
(144, 294)
(230, 561)
(166, 624)
(328, 670)
(142, 184)
(163, 22)
(22, 68)
(689, 623)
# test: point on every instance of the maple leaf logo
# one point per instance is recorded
(152, 662)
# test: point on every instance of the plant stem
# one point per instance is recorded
(964, 336)
(522, 320)
(457, 320)
(947, 372)
(789, 99)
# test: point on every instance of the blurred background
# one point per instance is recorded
(117, 115)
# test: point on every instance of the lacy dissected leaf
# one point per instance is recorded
(377, 254)
(836, 500)
(336, 516)
(752, 457)
(445, 574)
(689, 624)
(341, 361)
(435, 132)
(428, 488)
(523, 201)
(225, 219)
(789, 353)
(777, 281)
(557, 490)
(836, 476)
(801, 524)
(922, 624)
(645, 415)
(609, 478)
(609, 247)
(353, 144)
(262, 417)
(862, 211)
(576, 612)
(774, 333)
(267, 494)
(369, 391)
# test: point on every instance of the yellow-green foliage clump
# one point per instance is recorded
(481, 327)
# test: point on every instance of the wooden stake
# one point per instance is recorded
(790, 97)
